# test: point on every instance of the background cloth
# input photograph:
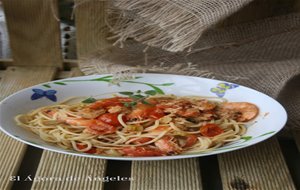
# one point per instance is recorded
(262, 54)
(171, 25)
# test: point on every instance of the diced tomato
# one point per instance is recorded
(91, 151)
(110, 118)
(156, 113)
(164, 106)
(191, 112)
(50, 112)
(143, 111)
(211, 130)
(116, 101)
(140, 111)
(142, 140)
(141, 151)
(153, 101)
(190, 140)
(81, 146)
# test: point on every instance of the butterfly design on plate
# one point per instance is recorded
(222, 88)
(39, 93)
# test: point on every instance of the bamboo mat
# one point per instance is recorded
(12, 151)
(257, 167)
(73, 172)
(168, 175)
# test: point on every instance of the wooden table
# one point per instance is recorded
(34, 38)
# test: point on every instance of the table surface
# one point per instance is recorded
(273, 164)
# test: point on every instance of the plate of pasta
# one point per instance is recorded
(142, 117)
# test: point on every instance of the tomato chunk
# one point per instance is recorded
(99, 127)
(91, 151)
(190, 140)
(116, 101)
(156, 113)
(211, 130)
(110, 118)
(50, 112)
(141, 151)
(143, 111)
(191, 112)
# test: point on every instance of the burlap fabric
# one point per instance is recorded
(263, 55)
(172, 25)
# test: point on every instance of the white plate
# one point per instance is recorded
(271, 119)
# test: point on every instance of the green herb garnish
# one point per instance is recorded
(126, 93)
(246, 138)
(129, 104)
(146, 102)
(138, 97)
(89, 100)
(47, 85)
(60, 83)
(151, 92)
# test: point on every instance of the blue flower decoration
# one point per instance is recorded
(222, 88)
(39, 93)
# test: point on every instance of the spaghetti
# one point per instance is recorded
(150, 126)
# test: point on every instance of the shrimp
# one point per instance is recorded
(143, 111)
(80, 122)
(241, 111)
(94, 126)
(186, 108)
(166, 145)
(191, 112)
(204, 105)
(89, 113)
(141, 151)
